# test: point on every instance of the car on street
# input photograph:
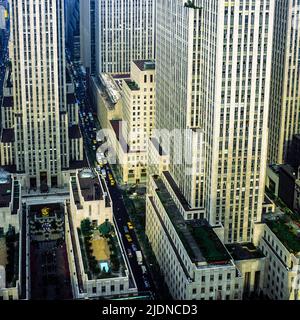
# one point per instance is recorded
(128, 237)
(130, 225)
(126, 229)
(134, 247)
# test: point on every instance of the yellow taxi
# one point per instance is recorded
(130, 225)
(127, 236)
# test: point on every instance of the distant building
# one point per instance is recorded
(284, 110)
(87, 13)
(73, 28)
(124, 31)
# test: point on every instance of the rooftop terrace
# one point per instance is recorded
(100, 249)
(286, 228)
(198, 238)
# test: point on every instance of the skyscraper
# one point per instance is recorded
(213, 71)
(40, 125)
(87, 34)
(284, 120)
(125, 31)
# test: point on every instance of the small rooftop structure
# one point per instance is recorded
(144, 65)
(89, 185)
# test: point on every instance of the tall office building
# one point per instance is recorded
(87, 34)
(72, 20)
(284, 120)
(213, 68)
(40, 133)
(125, 31)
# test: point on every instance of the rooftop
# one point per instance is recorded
(286, 228)
(89, 185)
(110, 87)
(198, 238)
(100, 244)
(46, 210)
(133, 86)
(144, 65)
(244, 251)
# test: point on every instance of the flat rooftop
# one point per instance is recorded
(244, 251)
(198, 238)
(145, 65)
(286, 228)
(133, 86)
(89, 185)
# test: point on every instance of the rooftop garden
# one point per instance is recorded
(287, 226)
(210, 245)
(287, 231)
(132, 85)
(89, 233)
(199, 240)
